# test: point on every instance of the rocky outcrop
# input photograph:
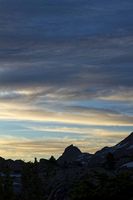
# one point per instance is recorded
(70, 155)
(122, 153)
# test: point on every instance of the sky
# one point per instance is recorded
(66, 75)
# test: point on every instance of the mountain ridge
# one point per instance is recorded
(57, 177)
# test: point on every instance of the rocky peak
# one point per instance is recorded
(70, 154)
(72, 149)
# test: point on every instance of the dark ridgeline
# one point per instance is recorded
(107, 174)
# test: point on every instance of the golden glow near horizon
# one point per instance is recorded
(74, 127)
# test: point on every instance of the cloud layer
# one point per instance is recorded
(65, 64)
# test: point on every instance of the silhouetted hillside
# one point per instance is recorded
(107, 174)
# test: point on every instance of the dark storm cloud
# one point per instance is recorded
(61, 18)
(59, 73)
(65, 43)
